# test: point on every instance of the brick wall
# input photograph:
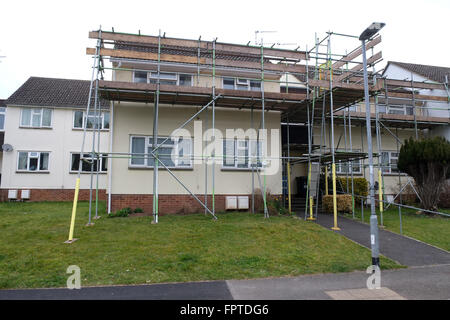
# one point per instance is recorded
(55, 194)
(168, 203)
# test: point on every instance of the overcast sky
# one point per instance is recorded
(49, 38)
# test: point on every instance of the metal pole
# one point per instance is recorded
(214, 129)
(253, 164)
(373, 216)
(266, 213)
(289, 168)
(414, 107)
(333, 165)
(155, 138)
(111, 139)
(351, 164)
(401, 202)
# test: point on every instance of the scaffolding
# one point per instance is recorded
(328, 92)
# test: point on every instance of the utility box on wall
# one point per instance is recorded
(243, 202)
(231, 203)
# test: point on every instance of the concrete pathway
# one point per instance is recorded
(406, 251)
(427, 282)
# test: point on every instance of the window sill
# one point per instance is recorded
(26, 171)
(81, 129)
(161, 168)
(84, 172)
(240, 169)
(46, 128)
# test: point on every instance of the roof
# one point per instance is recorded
(187, 51)
(433, 73)
(52, 92)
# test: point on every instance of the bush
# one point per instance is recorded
(344, 203)
(361, 185)
(138, 210)
(125, 212)
(275, 205)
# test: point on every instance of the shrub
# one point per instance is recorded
(428, 162)
(138, 210)
(361, 185)
(344, 203)
(275, 205)
(120, 213)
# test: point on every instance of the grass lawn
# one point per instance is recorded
(180, 248)
(434, 230)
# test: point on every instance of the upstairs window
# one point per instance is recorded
(241, 84)
(32, 161)
(140, 77)
(93, 121)
(172, 78)
(396, 109)
(36, 118)
(2, 118)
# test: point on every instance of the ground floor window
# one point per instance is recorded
(389, 161)
(242, 153)
(100, 163)
(32, 161)
(344, 167)
(174, 152)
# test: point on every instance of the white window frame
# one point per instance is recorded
(3, 112)
(33, 110)
(251, 161)
(242, 82)
(84, 121)
(28, 161)
(177, 75)
(388, 169)
(175, 146)
(340, 164)
(102, 158)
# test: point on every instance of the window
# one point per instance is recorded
(2, 118)
(228, 83)
(389, 161)
(32, 161)
(175, 152)
(344, 167)
(36, 117)
(92, 120)
(140, 77)
(396, 109)
(172, 78)
(185, 80)
(241, 154)
(87, 162)
(241, 84)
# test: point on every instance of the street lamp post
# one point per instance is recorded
(367, 34)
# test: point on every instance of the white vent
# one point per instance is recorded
(12, 194)
(25, 194)
(230, 203)
(243, 202)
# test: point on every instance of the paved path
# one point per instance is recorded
(428, 282)
(407, 251)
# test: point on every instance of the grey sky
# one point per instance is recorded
(48, 38)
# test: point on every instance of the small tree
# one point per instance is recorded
(428, 162)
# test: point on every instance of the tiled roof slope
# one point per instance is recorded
(433, 73)
(186, 51)
(52, 92)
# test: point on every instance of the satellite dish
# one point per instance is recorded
(7, 147)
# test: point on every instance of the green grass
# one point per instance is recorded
(180, 248)
(434, 230)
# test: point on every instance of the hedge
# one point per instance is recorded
(344, 203)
